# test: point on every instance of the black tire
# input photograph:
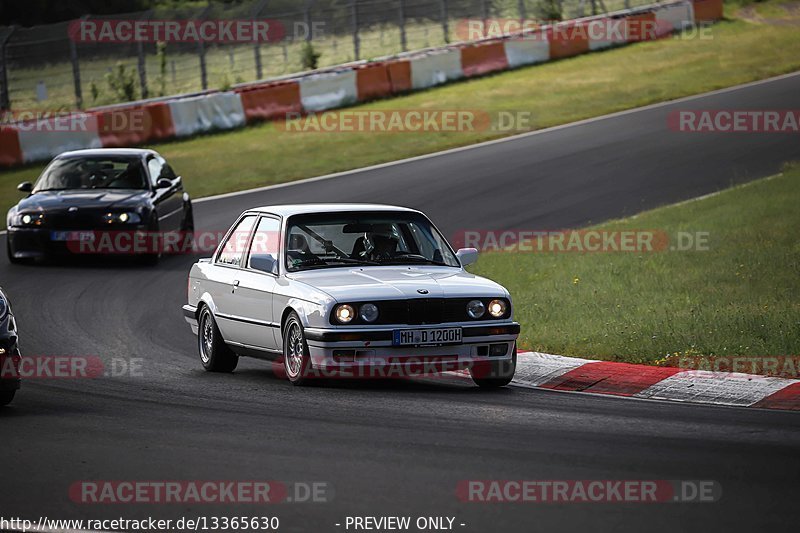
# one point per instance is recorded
(495, 374)
(296, 358)
(154, 258)
(11, 259)
(187, 229)
(6, 397)
(215, 355)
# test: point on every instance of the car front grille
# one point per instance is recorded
(421, 311)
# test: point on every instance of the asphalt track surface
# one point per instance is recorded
(399, 448)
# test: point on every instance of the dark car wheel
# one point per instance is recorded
(296, 359)
(187, 229)
(152, 259)
(495, 374)
(6, 397)
(215, 355)
(11, 258)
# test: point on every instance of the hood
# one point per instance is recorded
(398, 282)
(82, 198)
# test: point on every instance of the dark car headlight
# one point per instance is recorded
(127, 217)
(28, 219)
(368, 312)
(3, 306)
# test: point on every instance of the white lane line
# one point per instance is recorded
(497, 141)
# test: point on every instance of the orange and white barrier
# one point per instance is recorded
(209, 112)
(435, 68)
(527, 49)
(328, 90)
(183, 116)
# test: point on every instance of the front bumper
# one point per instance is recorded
(347, 350)
(37, 243)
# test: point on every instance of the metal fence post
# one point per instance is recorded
(201, 52)
(76, 70)
(257, 47)
(142, 63)
(484, 14)
(308, 21)
(522, 12)
(356, 42)
(445, 15)
(402, 19)
(5, 92)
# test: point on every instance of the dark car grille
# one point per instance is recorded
(418, 311)
(82, 219)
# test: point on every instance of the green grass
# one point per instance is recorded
(737, 298)
(555, 93)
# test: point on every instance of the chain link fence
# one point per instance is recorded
(43, 68)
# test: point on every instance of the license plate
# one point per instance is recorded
(419, 337)
(81, 236)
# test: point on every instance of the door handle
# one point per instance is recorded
(235, 285)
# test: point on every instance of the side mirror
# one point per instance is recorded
(25, 186)
(467, 256)
(264, 263)
(163, 183)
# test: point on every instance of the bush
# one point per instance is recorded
(310, 57)
(122, 82)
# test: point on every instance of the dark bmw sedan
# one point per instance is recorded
(9, 352)
(117, 201)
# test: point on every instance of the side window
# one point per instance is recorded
(166, 170)
(154, 169)
(233, 250)
(265, 246)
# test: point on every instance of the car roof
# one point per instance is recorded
(107, 152)
(305, 209)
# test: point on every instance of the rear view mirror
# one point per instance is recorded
(163, 183)
(25, 186)
(467, 256)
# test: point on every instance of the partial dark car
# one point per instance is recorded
(81, 193)
(9, 352)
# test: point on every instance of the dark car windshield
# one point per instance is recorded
(93, 173)
(364, 238)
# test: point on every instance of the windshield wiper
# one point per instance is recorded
(412, 257)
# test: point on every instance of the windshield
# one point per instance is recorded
(364, 238)
(93, 173)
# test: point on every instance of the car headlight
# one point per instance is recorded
(497, 308)
(3, 307)
(122, 218)
(344, 313)
(475, 308)
(30, 219)
(369, 312)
